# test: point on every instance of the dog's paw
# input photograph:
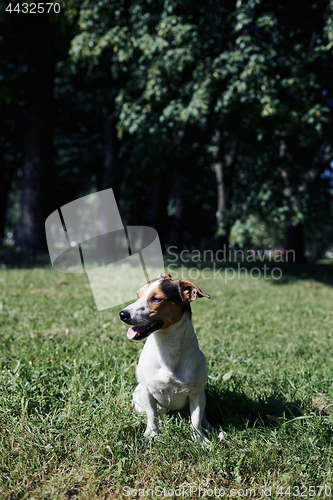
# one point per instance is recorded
(221, 435)
(199, 437)
(147, 440)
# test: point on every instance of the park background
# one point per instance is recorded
(212, 122)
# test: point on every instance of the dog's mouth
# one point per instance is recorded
(142, 332)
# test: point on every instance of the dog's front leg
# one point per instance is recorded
(197, 408)
(150, 405)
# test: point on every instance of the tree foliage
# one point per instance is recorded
(237, 90)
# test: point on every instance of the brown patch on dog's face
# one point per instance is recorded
(168, 300)
(167, 312)
(142, 291)
(165, 303)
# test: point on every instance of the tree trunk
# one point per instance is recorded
(175, 236)
(223, 172)
(295, 246)
(5, 182)
(36, 198)
(222, 240)
(156, 205)
(295, 243)
(111, 155)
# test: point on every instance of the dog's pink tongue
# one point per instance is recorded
(134, 330)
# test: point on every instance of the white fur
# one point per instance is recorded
(139, 310)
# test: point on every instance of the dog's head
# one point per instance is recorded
(160, 303)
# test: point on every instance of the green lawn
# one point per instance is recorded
(67, 374)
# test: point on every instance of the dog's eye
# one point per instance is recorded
(155, 299)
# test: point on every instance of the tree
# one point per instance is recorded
(197, 116)
(45, 98)
(11, 115)
(252, 75)
(31, 50)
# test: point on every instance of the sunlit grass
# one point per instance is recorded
(68, 372)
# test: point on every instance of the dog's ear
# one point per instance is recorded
(164, 276)
(189, 291)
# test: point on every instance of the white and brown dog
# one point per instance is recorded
(171, 370)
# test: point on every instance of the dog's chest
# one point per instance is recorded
(170, 371)
(174, 381)
(170, 389)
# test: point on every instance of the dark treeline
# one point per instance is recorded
(211, 121)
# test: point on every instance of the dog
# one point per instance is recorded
(172, 370)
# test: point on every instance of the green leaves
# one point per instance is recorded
(253, 70)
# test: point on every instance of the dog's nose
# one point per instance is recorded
(124, 315)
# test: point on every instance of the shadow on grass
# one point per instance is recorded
(320, 271)
(231, 409)
(234, 409)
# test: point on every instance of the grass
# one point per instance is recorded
(67, 374)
